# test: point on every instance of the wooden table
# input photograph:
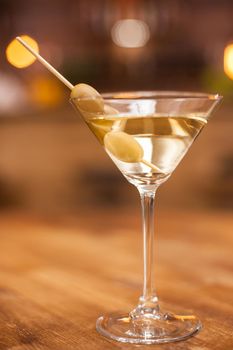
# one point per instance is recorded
(58, 276)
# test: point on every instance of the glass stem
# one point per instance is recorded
(148, 302)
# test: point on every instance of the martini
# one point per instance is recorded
(146, 134)
(163, 141)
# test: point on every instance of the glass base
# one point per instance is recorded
(164, 328)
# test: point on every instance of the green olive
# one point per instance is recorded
(87, 99)
(123, 146)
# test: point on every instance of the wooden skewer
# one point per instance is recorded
(66, 82)
(45, 63)
(152, 166)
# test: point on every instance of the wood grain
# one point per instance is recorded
(58, 275)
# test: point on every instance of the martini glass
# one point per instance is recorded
(146, 134)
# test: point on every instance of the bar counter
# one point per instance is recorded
(58, 274)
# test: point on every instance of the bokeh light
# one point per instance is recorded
(46, 91)
(13, 96)
(18, 56)
(228, 60)
(130, 33)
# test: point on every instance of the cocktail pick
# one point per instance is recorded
(83, 93)
(137, 157)
(45, 63)
(79, 91)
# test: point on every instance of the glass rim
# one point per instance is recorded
(160, 95)
(154, 95)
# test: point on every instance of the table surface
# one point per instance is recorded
(58, 275)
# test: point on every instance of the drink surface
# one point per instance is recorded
(146, 148)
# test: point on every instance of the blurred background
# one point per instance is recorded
(49, 161)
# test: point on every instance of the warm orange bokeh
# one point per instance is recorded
(228, 60)
(18, 56)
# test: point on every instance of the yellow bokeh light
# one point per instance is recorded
(18, 56)
(46, 91)
(228, 60)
